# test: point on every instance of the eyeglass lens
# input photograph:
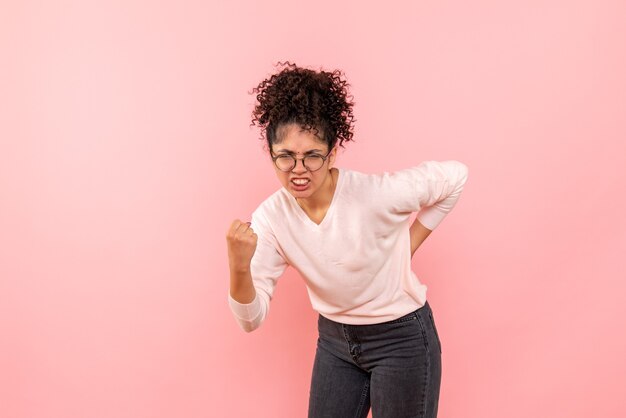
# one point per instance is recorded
(288, 162)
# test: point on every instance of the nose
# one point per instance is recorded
(295, 169)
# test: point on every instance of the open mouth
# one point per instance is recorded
(300, 184)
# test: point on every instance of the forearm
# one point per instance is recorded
(241, 286)
(418, 234)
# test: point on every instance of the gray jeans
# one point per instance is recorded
(393, 367)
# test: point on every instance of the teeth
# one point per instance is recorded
(300, 181)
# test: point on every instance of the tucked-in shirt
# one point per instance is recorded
(356, 263)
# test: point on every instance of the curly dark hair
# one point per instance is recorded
(314, 100)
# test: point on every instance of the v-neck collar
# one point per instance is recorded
(302, 214)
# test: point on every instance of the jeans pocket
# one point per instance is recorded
(432, 321)
(408, 317)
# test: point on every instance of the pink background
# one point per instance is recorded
(126, 153)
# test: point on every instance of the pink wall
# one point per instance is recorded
(125, 153)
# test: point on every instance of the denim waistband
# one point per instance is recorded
(407, 317)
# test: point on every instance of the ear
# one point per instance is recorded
(331, 157)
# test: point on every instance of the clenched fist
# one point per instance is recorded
(241, 241)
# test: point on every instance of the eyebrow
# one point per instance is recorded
(291, 152)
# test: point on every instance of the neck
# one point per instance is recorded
(325, 195)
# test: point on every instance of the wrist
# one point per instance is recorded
(239, 268)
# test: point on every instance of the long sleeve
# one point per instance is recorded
(266, 266)
(431, 188)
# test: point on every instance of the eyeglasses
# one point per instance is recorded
(287, 162)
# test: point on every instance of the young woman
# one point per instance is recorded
(348, 235)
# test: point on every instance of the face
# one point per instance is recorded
(301, 143)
